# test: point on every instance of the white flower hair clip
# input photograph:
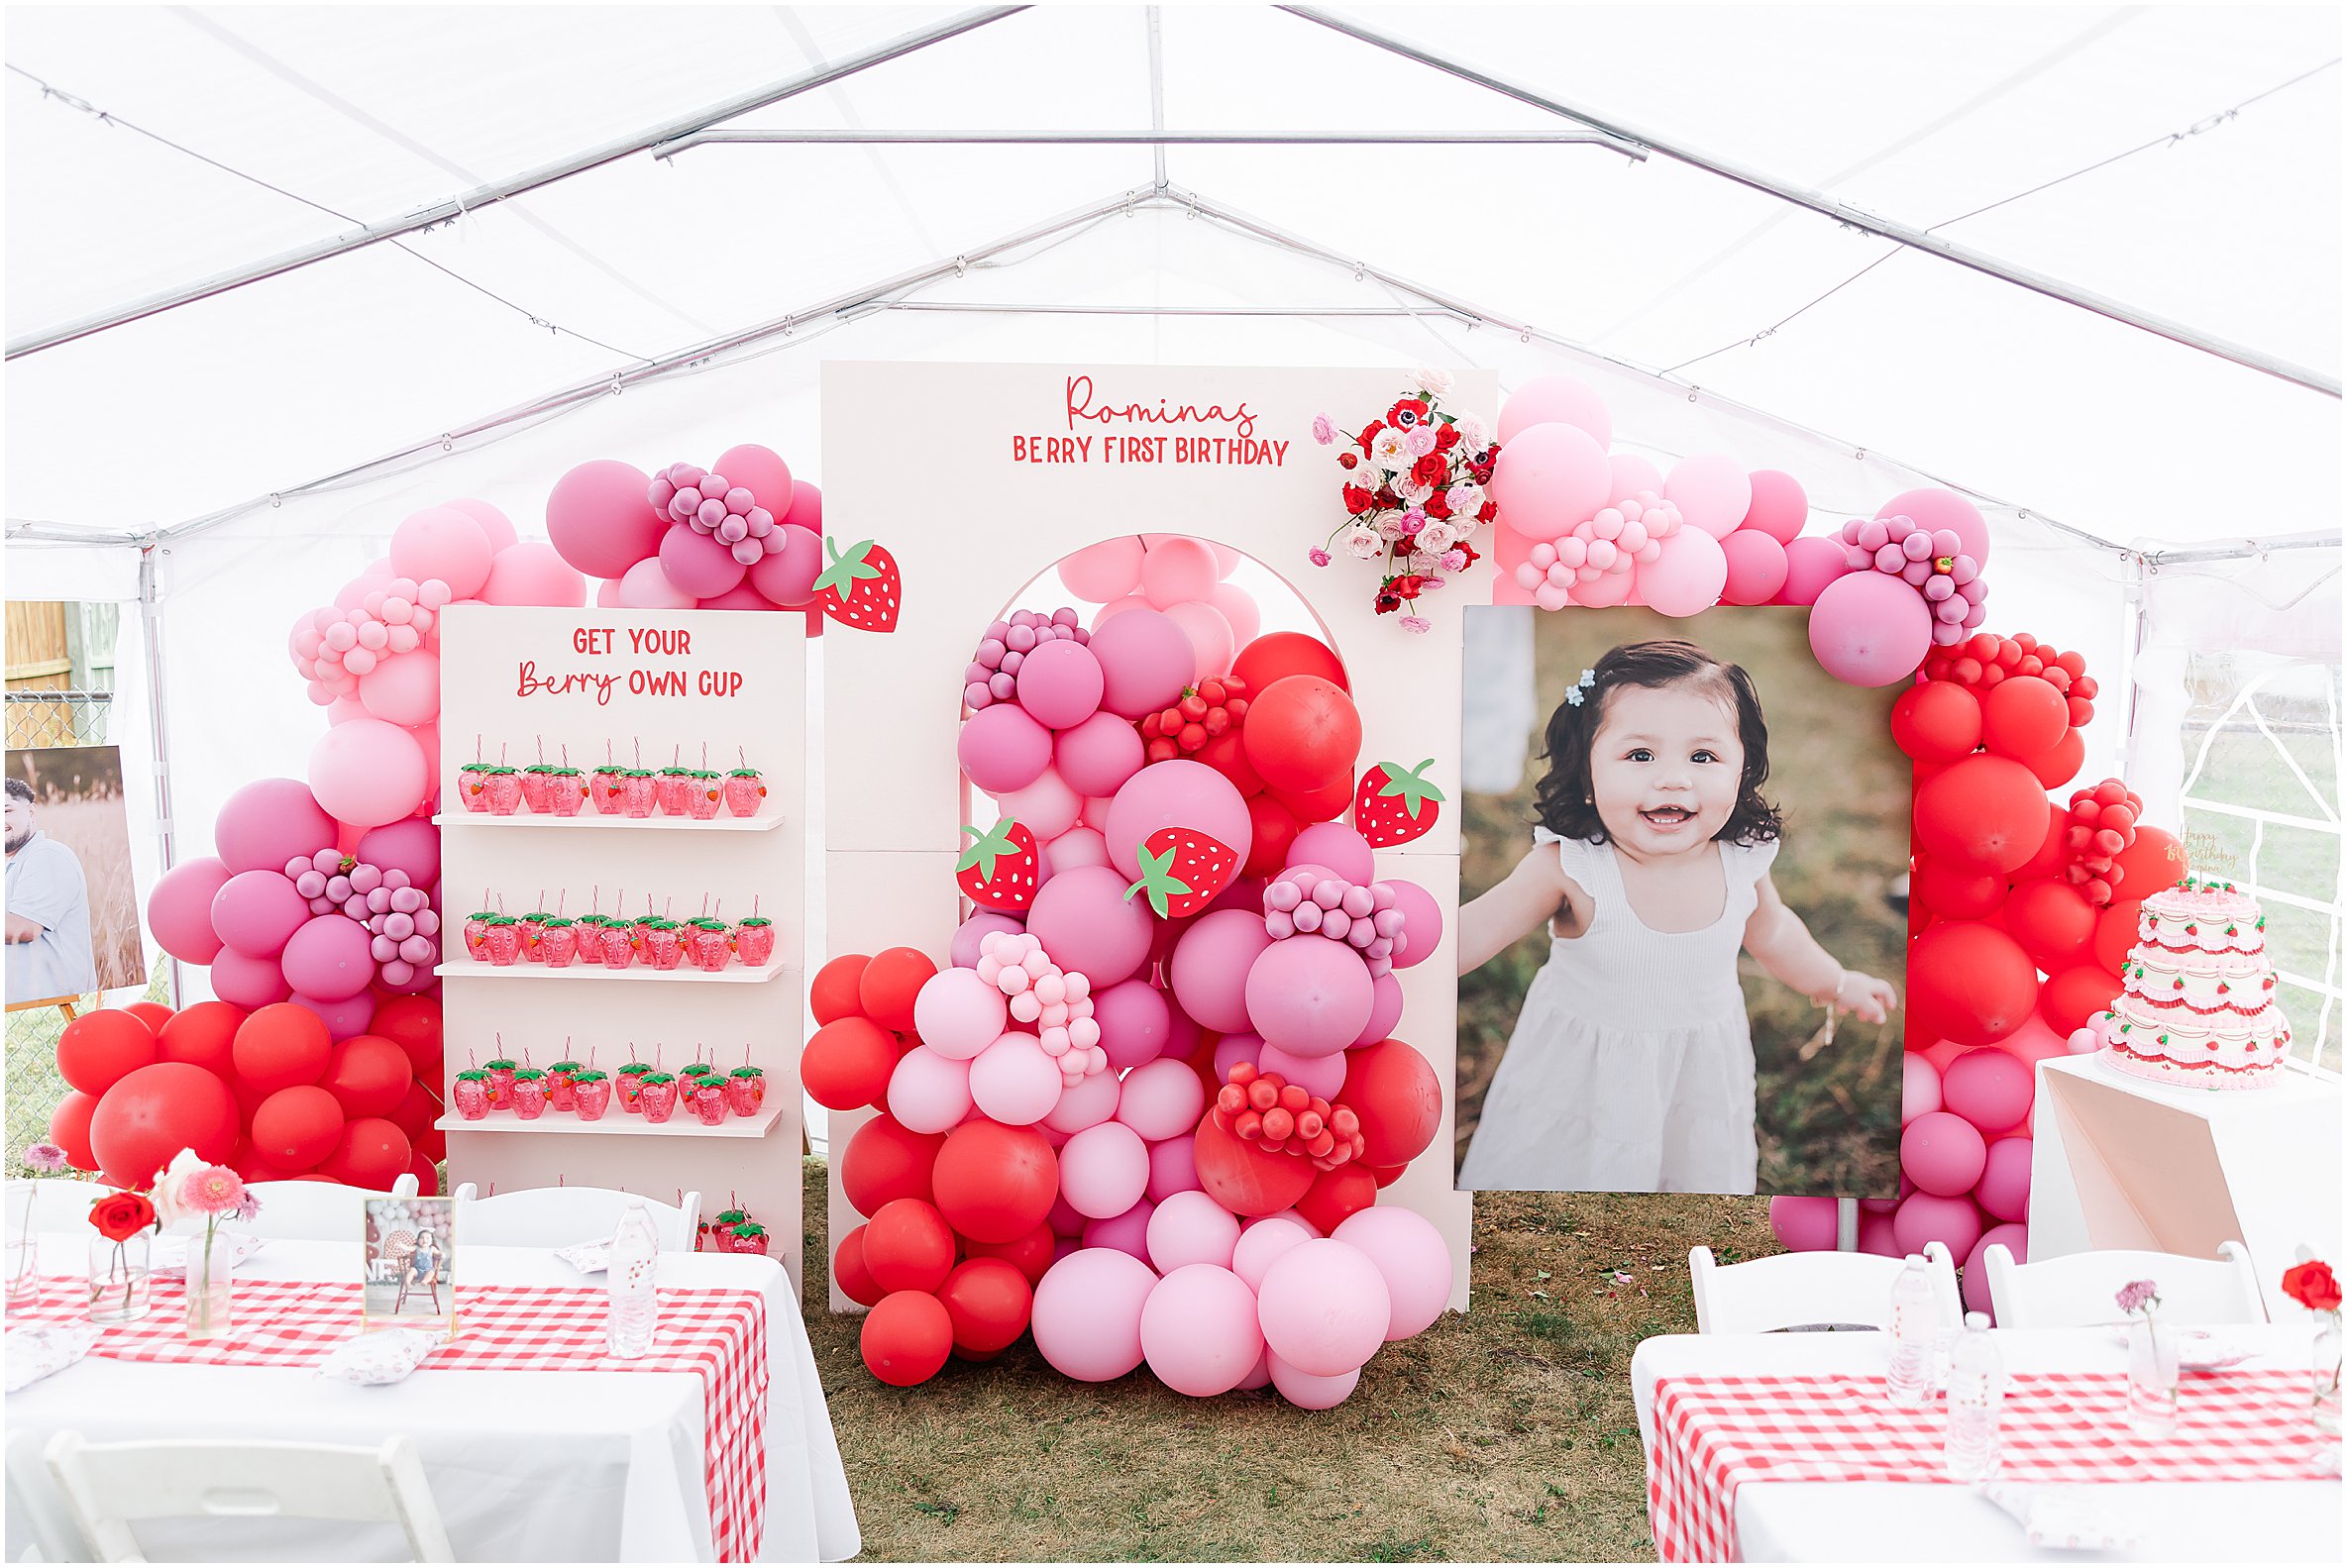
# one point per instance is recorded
(1579, 689)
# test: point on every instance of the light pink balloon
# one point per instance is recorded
(1756, 568)
(179, 909)
(1385, 1011)
(2014, 1239)
(441, 542)
(533, 573)
(1211, 963)
(1556, 401)
(697, 563)
(495, 526)
(1264, 1242)
(1711, 490)
(1422, 921)
(788, 576)
(1110, 569)
(404, 691)
(368, 772)
(1990, 1088)
(1869, 629)
(1115, 607)
(1942, 1154)
(1320, 1075)
(1549, 479)
(1324, 1307)
(1145, 660)
(1411, 1258)
(1309, 995)
(1104, 1170)
(1190, 1228)
(1779, 506)
(1934, 508)
(1176, 792)
(1087, 1314)
(967, 937)
(1925, 1218)
(1161, 1100)
(957, 1015)
(1078, 846)
(1199, 1331)
(1919, 1087)
(1097, 756)
(929, 1092)
(1014, 1081)
(1687, 579)
(1178, 571)
(1084, 1104)
(1631, 475)
(1173, 1164)
(607, 595)
(1238, 607)
(1048, 807)
(1306, 1391)
(1608, 589)
(1134, 1026)
(645, 586)
(599, 518)
(1212, 642)
(2004, 1188)
(742, 596)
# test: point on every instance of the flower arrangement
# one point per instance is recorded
(120, 1217)
(1417, 488)
(2138, 1295)
(37, 1161)
(2311, 1284)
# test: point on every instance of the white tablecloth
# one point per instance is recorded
(1889, 1522)
(526, 1466)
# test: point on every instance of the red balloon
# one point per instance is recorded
(1983, 814)
(151, 1114)
(1336, 1195)
(369, 1075)
(413, 1024)
(1301, 732)
(371, 1152)
(431, 1143)
(1390, 1086)
(154, 1014)
(1275, 828)
(1030, 1254)
(907, 1338)
(2053, 854)
(1967, 982)
(884, 1162)
(833, 995)
(847, 1062)
(2075, 994)
(2154, 863)
(2060, 764)
(417, 1110)
(1386, 1174)
(2023, 716)
(996, 1182)
(426, 1171)
(986, 1299)
(281, 1045)
(1936, 721)
(2115, 931)
(1227, 754)
(1278, 655)
(253, 1168)
(202, 1035)
(908, 1246)
(1955, 894)
(295, 1128)
(2052, 922)
(1246, 1178)
(1325, 804)
(97, 1049)
(889, 983)
(847, 1268)
(69, 1128)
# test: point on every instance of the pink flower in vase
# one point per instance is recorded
(211, 1190)
(1318, 556)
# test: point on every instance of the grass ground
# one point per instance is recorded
(1502, 1434)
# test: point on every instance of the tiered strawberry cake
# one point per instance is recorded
(2199, 1004)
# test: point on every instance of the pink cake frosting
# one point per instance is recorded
(2197, 1005)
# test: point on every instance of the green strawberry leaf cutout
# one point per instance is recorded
(1407, 782)
(846, 569)
(1159, 882)
(992, 845)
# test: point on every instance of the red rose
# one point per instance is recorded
(1446, 438)
(1386, 497)
(1437, 505)
(2312, 1285)
(121, 1215)
(1487, 511)
(1357, 499)
(1431, 470)
(1371, 433)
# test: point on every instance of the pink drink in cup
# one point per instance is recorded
(708, 944)
(709, 1101)
(704, 797)
(503, 941)
(561, 1082)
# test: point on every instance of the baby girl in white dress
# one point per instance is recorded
(1630, 1066)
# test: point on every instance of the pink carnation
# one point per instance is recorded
(1416, 623)
(46, 1158)
(2136, 1294)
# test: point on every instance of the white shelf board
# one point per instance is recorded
(683, 974)
(764, 822)
(619, 1123)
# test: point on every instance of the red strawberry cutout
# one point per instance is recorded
(1395, 805)
(861, 588)
(1182, 871)
(1000, 870)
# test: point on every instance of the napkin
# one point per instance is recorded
(167, 1258)
(588, 1256)
(34, 1353)
(2060, 1518)
(386, 1355)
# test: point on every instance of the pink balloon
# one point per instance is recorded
(964, 950)
(1210, 963)
(1410, 1257)
(1989, 1088)
(179, 909)
(1059, 685)
(1630, 475)
(1385, 1011)
(533, 573)
(2003, 1187)
(254, 913)
(1178, 571)
(1087, 924)
(1176, 792)
(929, 1092)
(1190, 1228)
(1126, 1232)
(645, 586)
(1924, 1218)
(412, 846)
(695, 563)
(1422, 922)
(2031, 1044)
(495, 526)
(329, 958)
(404, 691)
(1548, 480)
(742, 596)
(1107, 571)
(1324, 1307)
(1614, 587)
(957, 1015)
(1134, 1026)
(1048, 807)
(607, 595)
(1306, 1391)
(1943, 1153)
(1919, 1087)
(1686, 580)
(1097, 756)
(1810, 562)
(788, 576)
(1162, 1099)
(1084, 1104)
(1002, 749)
(250, 983)
(762, 472)
(2014, 1239)
(1104, 1170)
(1756, 568)
(1309, 995)
(1145, 660)
(344, 1018)
(1199, 1331)
(441, 542)
(1234, 1048)
(1711, 490)
(1014, 1081)
(1238, 607)
(1779, 506)
(1087, 1316)
(1115, 607)
(1934, 508)
(368, 772)
(1262, 1242)
(1173, 1165)
(1213, 641)
(1803, 1224)
(1334, 848)
(268, 823)
(599, 518)
(1320, 1075)
(1556, 401)
(1869, 629)
(1078, 846)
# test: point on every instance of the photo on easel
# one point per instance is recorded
(411, 1262)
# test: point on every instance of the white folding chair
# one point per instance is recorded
(40, 1530)
(110, 1485)
(2081, 1288)
(1807, 1290)
(59, 1203)
(316, 1210)
(557, 1216)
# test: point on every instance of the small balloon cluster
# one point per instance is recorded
(1280, 1117)
(401, 926)
(715, 508)
(1307, 902)
(1416, 492)
(1058, 1003)
(992, 676)
(334, 647)
(1984, 659)
(1206, 711)
(1932, 561)
(1628, 533)
(2100, 830)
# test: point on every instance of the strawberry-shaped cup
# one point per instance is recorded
(709, 1100)
(671, 788)
(471, 1093)
(717, 1232)
(529, 1093)
(616, 944)
(565, 791)
(753, 941)
(560, 1080)
(704, 797)
(469, 781)
(639, 792)
(663, 943)
(631, 1081)
(500, 1070)
(501, 941)
(747, 1238)
(532, 927)
(709, 944)
(607, 788)
(501, 791)
(745, 1090)
(590, 1095)
(744, 791)
(476, 931)
(535, 792)
(557, 943)
(657, 1096)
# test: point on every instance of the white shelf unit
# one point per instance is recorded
(764, 822)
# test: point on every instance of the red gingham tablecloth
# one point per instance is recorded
(1714, 1433)
(716, 1333)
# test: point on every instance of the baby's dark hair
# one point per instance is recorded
(1563, 798)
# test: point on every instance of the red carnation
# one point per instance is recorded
(1431, 470)
(2312, 1285)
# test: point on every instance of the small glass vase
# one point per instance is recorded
(120, 1284)
(2152, 1377)
(24, 1251)
(210, 1291)
(2324, 1391)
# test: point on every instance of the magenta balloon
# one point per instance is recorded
(1422, 922)
(344, 1018)
(1935, 509)
(1134, 1022)
(1990, 1089)
(495, 526)
(1336, 849)
(1324, 1307)
(2003, 1187)
(404, 690)
(1199, 1331)
(1210, 963)
(742, 596)
(1107, 571)
(601, 518)
(1320, 1075)
(250, 983)
(368, 772)
(1145, 660)
(269, 821)
(1059, 685)
(1384, 1012)
(1779, 506)
(1803, 1224)
(697, 563)
(1711, 490)
(1239, 1045)
(329, 956)
(1548, 480)
(646, 586)
(1869, 629)
(788, 576)
(1556, 401)
(1176, 792)
(1942, 1153)
(1756, 568)
(1810, 562)
(964, 952)
(179, 909)
(1097, 756)
(1412, 1258)
(2014, 1239)
(1087, 924)
(762, 472)
(412, 846)
(1239, 611)
(533, 573)
(1087, 1314)
(1126, 1232)
(1212, 642)
(1002, 749)
(255, 911)
(1924, 1218)
(1684, 580)
(441, 542)
(1173, 1165)
(1919, 1087)
(1310, 996)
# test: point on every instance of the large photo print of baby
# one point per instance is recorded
(1682, 926)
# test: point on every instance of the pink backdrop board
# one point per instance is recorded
(585, 679)
(980, 477)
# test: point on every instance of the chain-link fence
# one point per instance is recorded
(57, 718)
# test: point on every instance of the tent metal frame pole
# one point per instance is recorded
(1159, 138)
(151, 627)
(1908, 235)
(471, 201)
(1154, 16)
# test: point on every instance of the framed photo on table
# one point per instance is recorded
(410, 1264)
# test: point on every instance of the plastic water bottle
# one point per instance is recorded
(1976, 1392)
(1914, 1328)
(635, 1258)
